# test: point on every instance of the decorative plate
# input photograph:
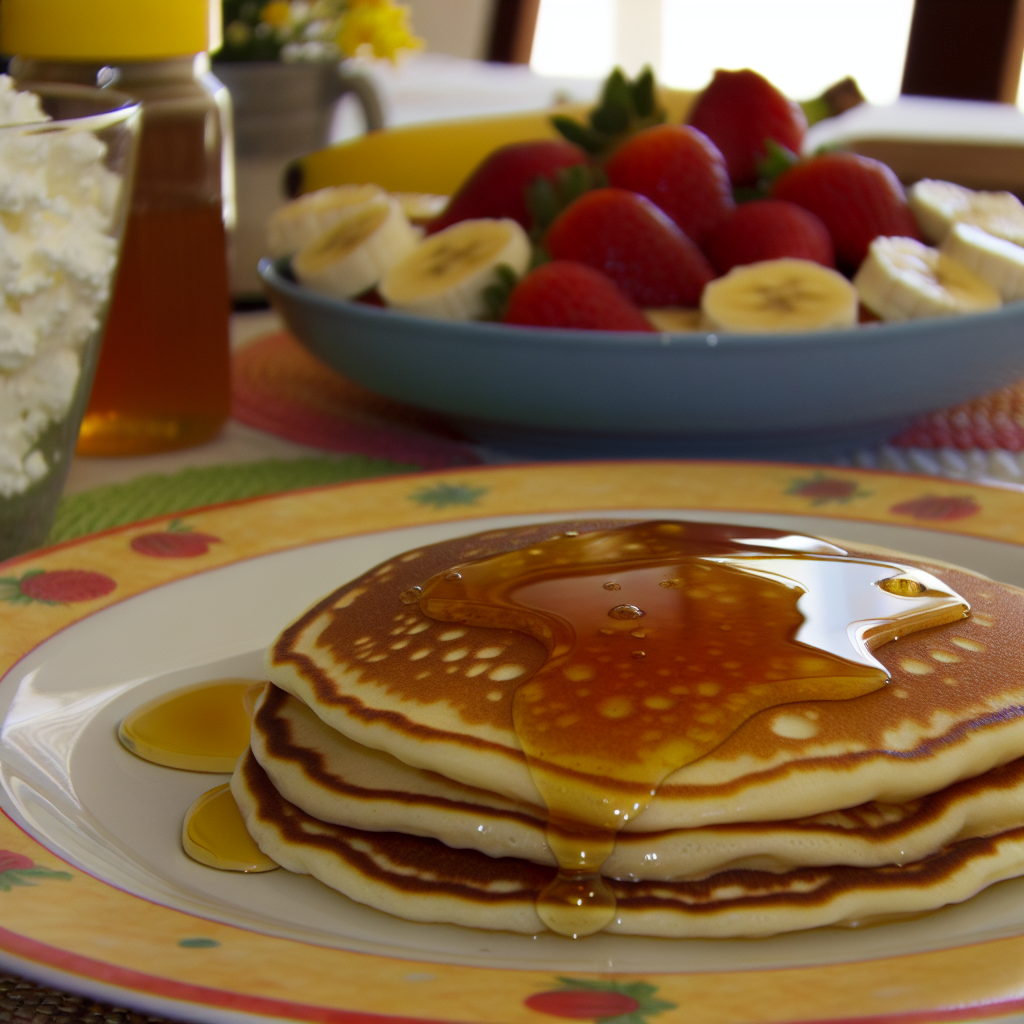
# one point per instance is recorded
(96, 895)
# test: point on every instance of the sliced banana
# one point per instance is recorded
(303, 220)
(901, 279)
(995, 260)
(420, 207)
(938, 205)
(779, 295)
(353, 255)
(444, 277)
(673, 318)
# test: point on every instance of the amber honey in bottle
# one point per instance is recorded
(163, 376)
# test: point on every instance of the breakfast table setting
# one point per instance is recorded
(174, 498)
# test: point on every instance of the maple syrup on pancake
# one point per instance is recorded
(663, 638)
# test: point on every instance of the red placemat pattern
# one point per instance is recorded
(993, 421)
(279, 387)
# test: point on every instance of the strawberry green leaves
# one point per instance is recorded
(626, 108)
(546, 199)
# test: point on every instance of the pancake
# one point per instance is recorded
(335, 780)
(421, 879)
(438, 695)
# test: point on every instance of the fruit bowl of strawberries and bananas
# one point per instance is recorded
(640, 286)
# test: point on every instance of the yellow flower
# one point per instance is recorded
(278, 13)
(378, 26)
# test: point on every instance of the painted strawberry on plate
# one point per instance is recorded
(17, 869)
(177, 541)
(821, 489)
(938, 507)
(608, 1002)
(56, 586)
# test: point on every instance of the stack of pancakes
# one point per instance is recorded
(384, 761)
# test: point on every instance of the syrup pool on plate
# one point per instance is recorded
(203, 728)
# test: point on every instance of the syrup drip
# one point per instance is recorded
(202, 728)
(736, 620)
(214, 834)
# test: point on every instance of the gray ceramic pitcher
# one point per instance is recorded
(281, 111)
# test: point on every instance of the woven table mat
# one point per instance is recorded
(981, 440)
(278, 387)
(103, 508)
(25, 1002)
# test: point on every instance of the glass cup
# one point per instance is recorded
(64, 190)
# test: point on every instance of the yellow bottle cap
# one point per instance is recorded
(109, 30)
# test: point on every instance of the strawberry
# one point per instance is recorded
(568, 294)
(583, 1005)
(56, 586)
(738, 111)
(497, 188)
(178, 541)
(11, 861)
(628, 238)
(768, 229)
(932, 506)
(678, 169)
(856, 197)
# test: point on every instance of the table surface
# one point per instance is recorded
(239, 444)
(235, 444)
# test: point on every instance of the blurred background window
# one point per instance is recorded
(962, 48)
(803, 46)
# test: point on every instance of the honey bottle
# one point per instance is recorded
(163, 376)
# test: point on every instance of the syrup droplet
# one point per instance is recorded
(625, 611)
(670, 583)
(201, 728)
(411, 596)
(578, 901)
(214, 834)
(639, 654)
(638, 635)
(611, 586)
(903, 586)
(572, 533)
(452, 576)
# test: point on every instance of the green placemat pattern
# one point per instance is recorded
(160, 494)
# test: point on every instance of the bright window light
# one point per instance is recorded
(803, 46)
(574, 38)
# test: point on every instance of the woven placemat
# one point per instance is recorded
(279, 387)
(158, 494)
(994, 421)
(25, 1002)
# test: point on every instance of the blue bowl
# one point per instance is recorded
(549, 393)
